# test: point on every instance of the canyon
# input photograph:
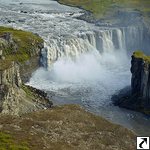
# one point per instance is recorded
(81, 63)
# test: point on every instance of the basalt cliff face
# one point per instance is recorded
(10, 91)
(15, 98)
(140, 69)
(16, 65)
(138, 98)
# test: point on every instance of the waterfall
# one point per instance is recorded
(103, 41)
(108, 45)
(56, 48)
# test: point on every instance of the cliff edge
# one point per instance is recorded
(22, 47)
(19, 57)
(140, 69)
(139, 97)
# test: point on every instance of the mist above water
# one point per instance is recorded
(91, 66)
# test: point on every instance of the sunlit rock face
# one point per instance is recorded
(10, 88)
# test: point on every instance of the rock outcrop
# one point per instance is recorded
(19, 57)
(22, 47)
(15, 98)
(138, 98)
(140, 69)
(10, 91)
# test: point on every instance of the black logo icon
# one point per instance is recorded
(144, 140)
(143, 143)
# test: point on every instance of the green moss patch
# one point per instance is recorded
(141, 55)
(19, 34)
(29, 94)
(7, 143)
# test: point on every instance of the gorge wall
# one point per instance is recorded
(138, 98)
(25, 51)
(10, 91)
(140, 69)
(15, 67)
(15, 98)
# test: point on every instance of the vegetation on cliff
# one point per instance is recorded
(138, 98)
(141, 55)
(17, 51)
(18, 45)
(22, 47)
(36, 95)
(107, 8)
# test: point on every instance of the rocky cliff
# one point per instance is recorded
(22, 47)
(10, 91)
(19, 57)
(16, 98)
(140, 69)
(139, 97)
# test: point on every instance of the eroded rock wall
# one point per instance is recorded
(18, 59)
(10, 90)
(140, 81)
(28, 59)
(16, 98)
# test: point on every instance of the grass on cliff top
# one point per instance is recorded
(141, 55)
(22, 35)
(25, 42)
(101, 7)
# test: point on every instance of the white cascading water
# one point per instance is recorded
(81, 63)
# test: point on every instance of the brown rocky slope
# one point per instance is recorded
(66, 127)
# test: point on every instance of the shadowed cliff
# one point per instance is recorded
(138, 98)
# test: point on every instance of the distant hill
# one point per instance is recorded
(108, 8)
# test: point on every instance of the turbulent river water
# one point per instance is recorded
(87, 76)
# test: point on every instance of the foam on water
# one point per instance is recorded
(99, 75)
(88, 67)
